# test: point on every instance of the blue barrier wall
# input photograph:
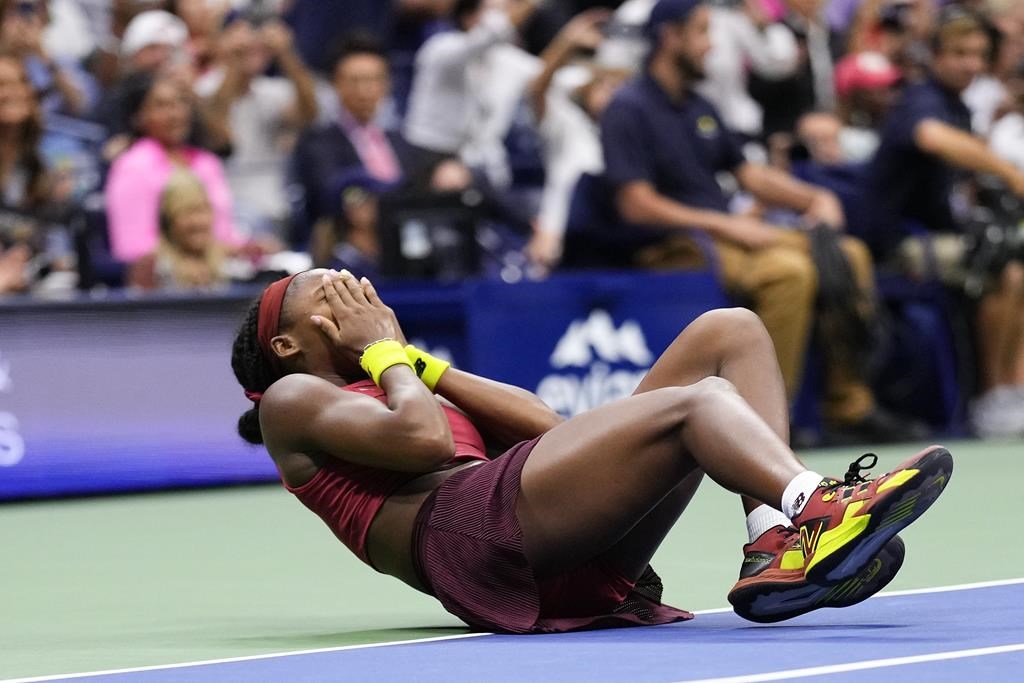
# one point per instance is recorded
(134, 394)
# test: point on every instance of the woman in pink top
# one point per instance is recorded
(137, 177)
(557, 532)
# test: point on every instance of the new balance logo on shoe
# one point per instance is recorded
(810, 534)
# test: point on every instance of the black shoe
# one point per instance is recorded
(878, 426)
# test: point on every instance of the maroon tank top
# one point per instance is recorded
(348, 496)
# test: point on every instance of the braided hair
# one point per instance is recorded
(252, 371)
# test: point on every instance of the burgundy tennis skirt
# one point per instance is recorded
(468, 552)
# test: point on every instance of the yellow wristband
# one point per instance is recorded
(381, 355)
(428, 368)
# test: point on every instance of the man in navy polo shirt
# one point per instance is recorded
(926, 142)
(664, 146)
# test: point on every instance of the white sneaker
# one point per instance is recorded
(999, 413)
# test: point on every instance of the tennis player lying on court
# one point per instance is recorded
(389, 446)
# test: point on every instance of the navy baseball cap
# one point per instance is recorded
(667, 11)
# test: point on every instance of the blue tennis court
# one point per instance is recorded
(243, 585)
(942, 634)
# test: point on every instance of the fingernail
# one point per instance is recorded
(364, 281)
(345, 273)
(315, 319)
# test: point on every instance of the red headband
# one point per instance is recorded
(269, 325)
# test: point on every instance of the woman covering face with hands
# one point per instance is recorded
(390, 447)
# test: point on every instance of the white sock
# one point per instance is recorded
(763, 518)
(798, 492)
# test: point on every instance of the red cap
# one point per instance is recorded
(865, 71)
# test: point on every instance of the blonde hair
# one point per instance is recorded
(182, 191)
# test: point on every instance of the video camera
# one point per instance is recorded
(993, 234)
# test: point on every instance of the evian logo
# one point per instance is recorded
(594, 345)
(597, 336)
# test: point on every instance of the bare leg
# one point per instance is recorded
(617, 463)
(728, 343)
(999, 329)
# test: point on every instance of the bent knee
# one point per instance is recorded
(713, 386)
(729, 321)
(731, 328)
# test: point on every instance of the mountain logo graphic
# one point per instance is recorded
(598, 338)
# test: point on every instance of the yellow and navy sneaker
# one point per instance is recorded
(845, 524)
(772, 586)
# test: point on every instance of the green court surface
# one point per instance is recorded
(108, 583)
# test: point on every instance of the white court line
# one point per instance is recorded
(861, 666)
(342, 648)
(247, 658)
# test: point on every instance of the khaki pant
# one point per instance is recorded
(781, 283)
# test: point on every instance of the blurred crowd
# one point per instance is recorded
(792, 146)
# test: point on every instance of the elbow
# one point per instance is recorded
(630, 208)
(434, 448)
(928, 137)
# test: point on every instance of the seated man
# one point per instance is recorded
(909, 183)
(327, 157)
(664, 145)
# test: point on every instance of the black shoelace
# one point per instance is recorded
(865, 462)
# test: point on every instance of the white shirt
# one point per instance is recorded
(1007, 139)
(465, 93)
(983, 97)
(572, 147)
(738, 48)
(255, 169)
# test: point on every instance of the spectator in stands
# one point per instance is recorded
(745, 40)
(61, 85)
(663, 146)
(351, 240)
(188, 255)
(811, 86)
(153, 43)
(820, 134)
(321, 25)
(467, 86)
(356, 145)
(202, 18)
(162, 112)
(32, 243)
(568, 100)
(910, 185)
(865, 89)
(1004, 21)
(1007, 138)
(255, 117)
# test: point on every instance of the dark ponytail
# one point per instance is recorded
(252, 371)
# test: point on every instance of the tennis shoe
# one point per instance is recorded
(845, 524)
(772, 586)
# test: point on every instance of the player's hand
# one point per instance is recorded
(749, 232)
(374, 298)
(359, 320)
